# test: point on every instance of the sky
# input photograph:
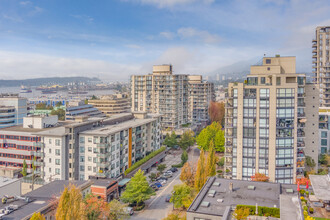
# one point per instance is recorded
(113, 39)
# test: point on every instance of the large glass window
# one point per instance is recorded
(284, 142)
(285, 113)
(264, 113)
(324, 134)
(249, 112)
(282, 103)
(264, 122)
(324, 142)
(285, 92)
(248, 122)
(264, 132)
(264, 93)
(249, 132)
(249, 103)
(281, 153)
(264, 103)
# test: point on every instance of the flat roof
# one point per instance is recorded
(110, 129)
(321, 186)
(19, 128)
(102, 182)
(40, 199)
(263, 194)
(5, 181)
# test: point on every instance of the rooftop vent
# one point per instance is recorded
(289, 190)
(216, 184)
(250, 187)
(231, 187)
(211, 193)
(205, 204)
(220, 200)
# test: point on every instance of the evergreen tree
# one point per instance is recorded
(137, 189)
(24, 169)
(70, 204)
(200, 177)
(211, 160)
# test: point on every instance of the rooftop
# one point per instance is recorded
(5, 181)
(19, 128)
(217, 195)
(321, 186)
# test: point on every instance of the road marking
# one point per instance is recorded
(164, 189)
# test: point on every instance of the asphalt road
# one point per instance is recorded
(156, 207)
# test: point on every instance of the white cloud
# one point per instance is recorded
(167, 34)
(12, 17)
(133, 46)
(28, 65)
(87, 19)
(25, 3)
(192, 33)
(171, 3)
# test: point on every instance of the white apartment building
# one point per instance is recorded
(324, 130)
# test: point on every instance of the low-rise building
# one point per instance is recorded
(219, 197)
(324, 130)
(80, 109)
(112, 104)
(12, 110)
(110, 150)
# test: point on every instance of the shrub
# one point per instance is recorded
(219, 171)
(311, 210)
(178, 165)
(144, 160)
(305, 208)
(262, 210)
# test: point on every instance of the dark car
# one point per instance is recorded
(168, 198)
(161, 178)
(173, 169)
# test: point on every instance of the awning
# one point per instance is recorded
(123, 182)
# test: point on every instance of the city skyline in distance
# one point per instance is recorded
(114, 39)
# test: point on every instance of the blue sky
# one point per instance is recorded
(113, 39)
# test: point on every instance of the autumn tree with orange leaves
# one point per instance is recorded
(188, 174)
(260, 177)
(217, 111)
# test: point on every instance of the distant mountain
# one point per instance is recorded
(46, 81)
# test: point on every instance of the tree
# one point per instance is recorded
(116, 211)
(70, 204)
(60, 113)
(41, 106)
(324, 159)
(86, 101)
(186, 140)
(176, 215)
(241, 214)
(211, 161)
(161, 167)
(212, 132)
(182, 196)
(24, 169)
(200, 177)
(217, 111)
(170, 140)
(93, 97)
(310, 162)
(94, 207)
(37, 216)
(184, 157)
(187, 174)
(138, 189)
(58, 104)
(260, 177)
(221, 162)
(153, 176)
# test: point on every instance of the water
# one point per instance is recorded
(38, 93)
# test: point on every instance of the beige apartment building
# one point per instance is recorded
(321, 63)
(267, 120)
(168, 94)
(112, 104)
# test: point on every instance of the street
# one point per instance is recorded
(156, 208)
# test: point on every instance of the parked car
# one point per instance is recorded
(167, 175)
(162, 182)
(129, 211)
(161, 178)
(169, 172)
(168, 198)
(173, 169)
(156, 185)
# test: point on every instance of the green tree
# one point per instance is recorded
(212, 132)
(170, 140)
(182, 196)
(153, 176)
(41, 106)
(184, 157)
(93, 97)
(86, 101)
(186, 140)
(310, 162)
(24, 169)
(161, 167)
(58, 104)
(116, 211)
(211, 161)
(70, 204)
(221, 162)
(37, 216)
(60, 113)
(138, 189)
(200, 177)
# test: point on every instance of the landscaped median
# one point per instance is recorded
(144, 160)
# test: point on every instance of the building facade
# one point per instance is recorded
(201, 93)
(321, 63)
(112, 104)
(110, 150)
(80, 109)
(165, 93)
(267, 120)
(12, 110)
(324, 130)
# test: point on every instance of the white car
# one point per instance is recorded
(163, 182)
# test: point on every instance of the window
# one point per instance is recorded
(82, 159)
(264, 104)
(82, 140)
(285, 92)
(89, 168)
(57, 161)
(89, 159)
(82, 149)
(58, 142)
(264, 132)
(262, 80)
(268, 61)
(278, 81)
(248, 122)
(263, 143)
(50, 141)
(249, 152)
(249, 112)
(82, 168)
(57, 152)
(90, 149)
(263, 152)
(263, 122)
(235, 92)
(264, 93)
(324, 142)
(283, 153)
(264, 113)
(324, 134)
(249, 103)
(89, 140)
(57, 171)
(249, 132)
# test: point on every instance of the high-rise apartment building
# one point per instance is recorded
(12, 110)
(324, 130)
(164, 93)
(267, 120)
(201, 93)
(112, 104)
(321, 63)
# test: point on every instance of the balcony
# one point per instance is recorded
(229, 143)
(38, 144)
(301, 104)
(300, 144)
(301, 115)
(104, 155)
(301, 134)
(103, 164)
(38, 154)
(39, 163)
(104, 145)
(301, 125)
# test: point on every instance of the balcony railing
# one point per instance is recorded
(38, 154)
(38, 144)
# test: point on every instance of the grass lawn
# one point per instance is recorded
(317, 218)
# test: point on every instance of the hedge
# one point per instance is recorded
(262, 210)
(144, 160)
